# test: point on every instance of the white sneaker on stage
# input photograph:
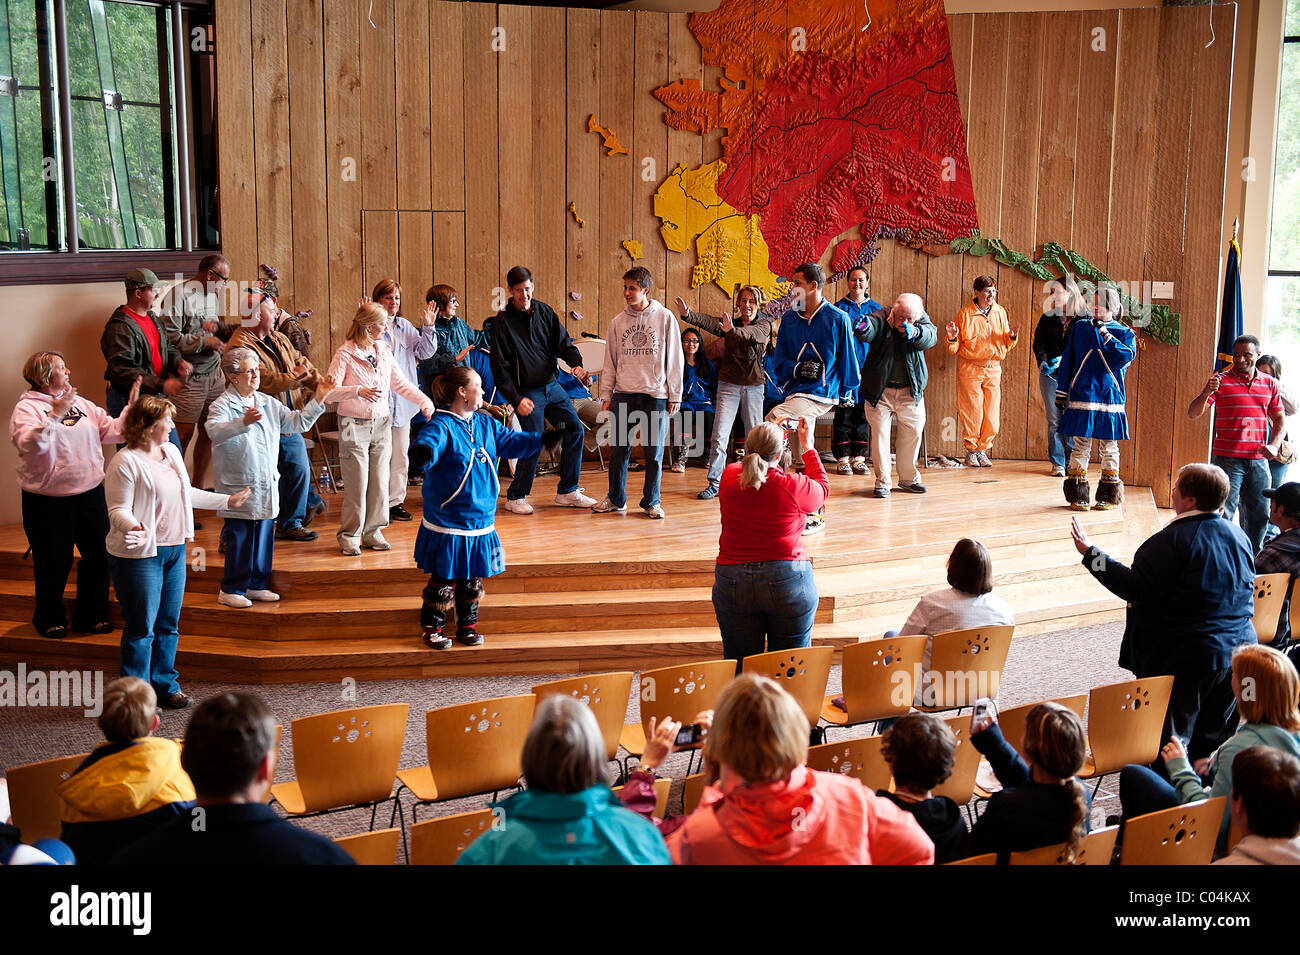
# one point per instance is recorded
(518, 506)
(574, 499)
(238, 601)
(264, 596)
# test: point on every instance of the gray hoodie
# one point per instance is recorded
(643, 354)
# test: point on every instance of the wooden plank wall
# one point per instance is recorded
(442, 141)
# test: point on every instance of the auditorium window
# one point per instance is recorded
(107, 106)
(1283, 297)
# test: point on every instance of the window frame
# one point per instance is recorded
(79, 264)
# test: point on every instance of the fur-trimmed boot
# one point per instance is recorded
(1110, 491)
(1076, 490)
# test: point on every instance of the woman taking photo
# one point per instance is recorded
(59, 436)
(766, 807)
(764, 594)
(409, 346)
(245, 427)
(151, 517)
(364, 371)
(741, 379)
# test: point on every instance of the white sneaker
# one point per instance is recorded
(238, 601)
(375, 541)
(350, 549)
(518, 506)
(265, 596)
(606, 506)
(574, 499)
(654, 511)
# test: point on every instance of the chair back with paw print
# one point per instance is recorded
(964, 666)
(605, 694)
(878, 678)
(1125, 722)
(862, 758)
(678, 693)
(473, 748)
(1181, 835)
(342, 759)
(1270, 594)
(441, 841)
(960, 786)
(802, 673)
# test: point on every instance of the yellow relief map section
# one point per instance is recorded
(633, 248)
(729, 248)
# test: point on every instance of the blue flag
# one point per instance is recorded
(1230, 316)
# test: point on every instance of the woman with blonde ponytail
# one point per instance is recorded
(1042, 803)
(764, 594)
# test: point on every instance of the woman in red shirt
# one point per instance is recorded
(764, 594)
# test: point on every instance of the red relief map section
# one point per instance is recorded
(829, 126)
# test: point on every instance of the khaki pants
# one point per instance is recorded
(896, 402)
(979, 402)
(364, 446)
(797, 406)
(399, 464)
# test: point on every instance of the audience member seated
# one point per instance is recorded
(1041, 802)
(766, 807)
(567, 815)
(130, 785)
(1266, 688)
(1281, 555)
(229, 753)
(1190, 595)
(920, 750)
(1265, 805)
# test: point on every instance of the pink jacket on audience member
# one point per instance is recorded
(812, 818)
(352, 371)
(60, 457)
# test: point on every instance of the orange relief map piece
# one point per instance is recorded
(612, 145)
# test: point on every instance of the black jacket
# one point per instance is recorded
(525, 346)
(246, 834)
(1049, 338)
(942, 821)
(875, 328)
(127, 352)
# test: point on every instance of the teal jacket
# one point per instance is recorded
(586, 828)
(1188, 784)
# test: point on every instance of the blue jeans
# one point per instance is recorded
(748, 400)
(550, 403)
(769, 605)
(1056, 450)
(625, 411)
(250, 546)
(115, 401)
(1142, 790)
(295, 481)
(1247, 479)
(1277, 477)
(150, 590)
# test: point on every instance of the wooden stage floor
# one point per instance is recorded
(585, 592)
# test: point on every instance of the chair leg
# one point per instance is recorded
(401, 821)
(374, 808)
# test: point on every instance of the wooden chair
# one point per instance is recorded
(860, 758)
(960, 786)
(1270, 594)
(692, 792)
(34, 802)
(676, 692)
(988, 858)
(1181, 835)
(803, 673)
(1293, 612)
(473, 748)
(878, 679)
(1097, 849)
(662, 786)
(345, 760)
(441, 841)
(1125, 722)
(606, 694)
(1012, 723)
(965, 665)
(372, 848)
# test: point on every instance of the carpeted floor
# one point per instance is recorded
(1038, 667)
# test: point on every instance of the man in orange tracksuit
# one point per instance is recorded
(980, 338)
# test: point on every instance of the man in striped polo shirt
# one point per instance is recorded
(1248, 427)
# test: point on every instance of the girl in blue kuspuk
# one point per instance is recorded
(457, 544)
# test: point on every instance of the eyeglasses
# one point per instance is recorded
(220, 279)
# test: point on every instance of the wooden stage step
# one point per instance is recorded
(586, 592)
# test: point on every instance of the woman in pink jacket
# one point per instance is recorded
(365, 371)
(59, 436)
(767, 808)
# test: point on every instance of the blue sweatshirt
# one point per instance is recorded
(825, 337)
